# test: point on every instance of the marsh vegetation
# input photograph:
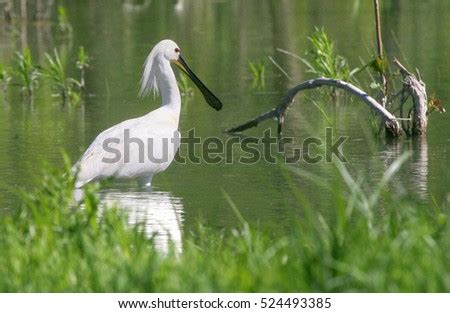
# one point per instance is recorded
(379, 222)
(52, 245)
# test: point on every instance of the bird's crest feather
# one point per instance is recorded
(148, 81)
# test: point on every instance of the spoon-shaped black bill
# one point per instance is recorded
(210, 98)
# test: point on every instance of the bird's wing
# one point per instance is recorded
(94, 163)
(99, 161)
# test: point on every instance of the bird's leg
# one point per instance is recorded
(145, 181)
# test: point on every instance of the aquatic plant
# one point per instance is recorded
(64, 86)
(50, 244)
(64, 25)
(82, 64)
(258, 71)
(27, 72)
(5, 78)
(323, 60)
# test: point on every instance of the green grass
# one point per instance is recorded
(26, 72)
(28, 75)
(5, 79)
(83, 63)
(65, 87)
(64, 26)
(49, 244)
(323, 61)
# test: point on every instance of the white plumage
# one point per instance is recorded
(157, 131)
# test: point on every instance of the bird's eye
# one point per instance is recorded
(177, 50)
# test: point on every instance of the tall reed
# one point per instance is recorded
(27, 72)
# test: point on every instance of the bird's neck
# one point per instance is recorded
(168, 87)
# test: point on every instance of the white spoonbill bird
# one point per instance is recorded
(144, 146)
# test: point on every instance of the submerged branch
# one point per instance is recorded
(279, 111)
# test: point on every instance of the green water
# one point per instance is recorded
(218, 38)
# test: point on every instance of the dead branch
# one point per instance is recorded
(416, 88)
(279, 112)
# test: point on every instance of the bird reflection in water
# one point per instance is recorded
(159, 211)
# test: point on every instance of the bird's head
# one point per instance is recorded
(170, 51)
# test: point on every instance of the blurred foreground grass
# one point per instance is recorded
(50, 245)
